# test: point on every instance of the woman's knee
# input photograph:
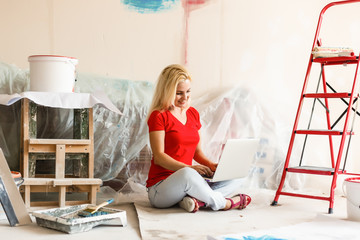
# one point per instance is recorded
(188, 172)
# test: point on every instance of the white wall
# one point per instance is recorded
(262, 44)
(107, 38)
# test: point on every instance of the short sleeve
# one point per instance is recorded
(196, 116)
(156, 121)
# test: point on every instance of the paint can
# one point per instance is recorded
(17, 178)
(352, 193)
(52, 73)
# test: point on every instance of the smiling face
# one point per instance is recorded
(183, 93)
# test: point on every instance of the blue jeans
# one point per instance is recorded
(188, 181)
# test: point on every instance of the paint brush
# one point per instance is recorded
(93, 210)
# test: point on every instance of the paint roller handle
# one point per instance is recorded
(106, 203)
(101, 205)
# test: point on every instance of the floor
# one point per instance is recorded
(144, 222)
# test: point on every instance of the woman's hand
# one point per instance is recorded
(213, 166)
(203, 170)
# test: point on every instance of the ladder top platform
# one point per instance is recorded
(336, 60)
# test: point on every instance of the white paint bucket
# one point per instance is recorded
(352, 193)
(52, 73)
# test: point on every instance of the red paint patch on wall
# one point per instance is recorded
(196, 1)
(190, 5)
(193, 4)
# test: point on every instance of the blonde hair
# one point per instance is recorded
(165, 90)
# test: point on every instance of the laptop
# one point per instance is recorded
(235, 160)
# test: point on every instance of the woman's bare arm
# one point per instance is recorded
(200, 157)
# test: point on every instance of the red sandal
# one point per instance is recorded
(191, 204)
(242, 203)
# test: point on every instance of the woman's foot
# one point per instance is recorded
(191, 204)
(239, 201)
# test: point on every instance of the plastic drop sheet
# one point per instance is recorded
(238, 113)
(122, 152)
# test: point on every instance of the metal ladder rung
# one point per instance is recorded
(323, 132)
(327, 95)
(311, 170)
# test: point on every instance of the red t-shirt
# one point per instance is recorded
(180, 140)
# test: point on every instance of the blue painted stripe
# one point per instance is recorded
(149, 6)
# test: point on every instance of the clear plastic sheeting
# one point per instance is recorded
(238, 113)
(122, 152)
(13, 79)
(118, 138)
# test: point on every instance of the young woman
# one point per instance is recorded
(174, 131)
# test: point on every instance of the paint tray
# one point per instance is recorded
(66, 219)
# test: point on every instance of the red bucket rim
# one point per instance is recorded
(56, 56)
(354, 179)
(16, 174)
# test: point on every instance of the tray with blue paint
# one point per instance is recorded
(69, 219)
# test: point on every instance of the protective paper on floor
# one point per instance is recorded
(320, 229)
(175, 223)
(293, 218)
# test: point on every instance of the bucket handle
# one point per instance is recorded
(345, 193)
(71, 62)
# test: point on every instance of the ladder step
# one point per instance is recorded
(44, 141)
(62, 181)
(322, 132)
(305, 196)
(311, 170)
(337, 60)
(327, 95)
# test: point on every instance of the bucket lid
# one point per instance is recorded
(354, 180)
(52, 58)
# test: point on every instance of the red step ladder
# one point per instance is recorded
(348, 117)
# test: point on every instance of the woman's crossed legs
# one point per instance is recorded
(187, 182)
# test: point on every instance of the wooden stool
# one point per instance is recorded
(57, 152)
